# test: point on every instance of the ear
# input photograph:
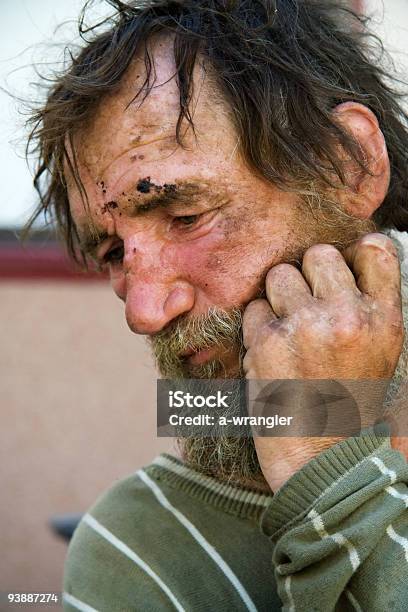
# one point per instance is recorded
(366, 190)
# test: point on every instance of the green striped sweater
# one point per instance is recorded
(334, 537)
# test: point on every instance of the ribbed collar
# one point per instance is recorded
(226, 497)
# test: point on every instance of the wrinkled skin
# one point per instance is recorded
(324, 323)
(216, 246)
(170, 268)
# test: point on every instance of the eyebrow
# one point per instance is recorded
(164, 195)
(157, 196)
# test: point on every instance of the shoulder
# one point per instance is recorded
(110, 547)
(121, 510)
(132, 549)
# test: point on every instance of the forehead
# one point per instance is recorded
(123, 121)
(129, 139)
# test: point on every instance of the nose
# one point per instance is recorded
(155, 294)
(151, 306)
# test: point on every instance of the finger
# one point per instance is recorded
(257, 314)
(374, 261)
(327, 273)
(286, 290)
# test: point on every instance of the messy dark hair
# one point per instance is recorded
(281, 66)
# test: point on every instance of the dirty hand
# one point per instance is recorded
(339, 318)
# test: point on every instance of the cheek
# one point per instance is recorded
(228, 267)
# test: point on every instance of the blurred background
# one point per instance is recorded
(77, 389)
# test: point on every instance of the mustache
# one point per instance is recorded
(217, 327)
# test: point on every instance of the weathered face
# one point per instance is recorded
(188, 233)
(184, 231)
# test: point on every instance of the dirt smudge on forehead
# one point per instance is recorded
(145, 185)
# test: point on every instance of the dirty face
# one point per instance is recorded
(188, 234)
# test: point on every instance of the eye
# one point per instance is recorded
(115, 255)
(187, 219)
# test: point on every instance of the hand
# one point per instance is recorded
(340, 318)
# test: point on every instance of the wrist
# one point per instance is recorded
(290, 455)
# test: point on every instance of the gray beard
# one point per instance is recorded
(228, 459)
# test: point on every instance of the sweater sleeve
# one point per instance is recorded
(340, 529)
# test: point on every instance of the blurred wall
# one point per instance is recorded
(77, 393)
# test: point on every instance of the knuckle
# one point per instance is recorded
(380, 244)
(348, 328)
(319, 252)
(304, 327)
(347, 333)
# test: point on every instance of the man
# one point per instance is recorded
(229, 161)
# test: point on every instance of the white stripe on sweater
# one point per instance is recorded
(77, 603)
(210, 550)
(403, 496)
(393, 476)
(399, 539)
(112, 539)
(338, 537)
(383, 469)
(291, 603)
